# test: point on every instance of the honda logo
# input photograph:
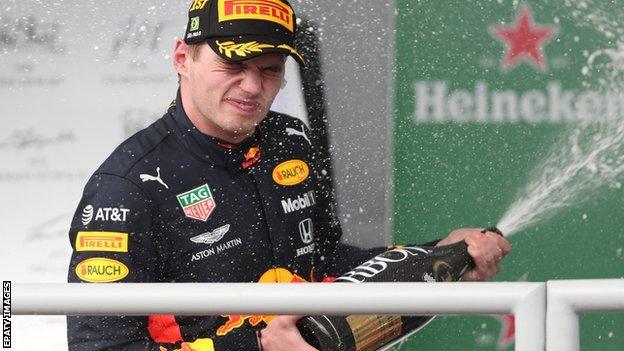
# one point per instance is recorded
(306, 229)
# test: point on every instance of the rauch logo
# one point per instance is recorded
(101, 270)
(291, 172)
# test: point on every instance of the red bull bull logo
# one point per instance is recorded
(274, 275)
(251, 157)
(237, 321)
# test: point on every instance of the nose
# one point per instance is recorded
(252, 81)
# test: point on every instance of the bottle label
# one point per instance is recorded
(375, 269)
(372, 332)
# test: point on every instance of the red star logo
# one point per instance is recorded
(524, 40)
(508, 330)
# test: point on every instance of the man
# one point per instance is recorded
(218, 190)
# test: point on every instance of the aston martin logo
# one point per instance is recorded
(211, 237)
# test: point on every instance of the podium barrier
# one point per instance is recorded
(525, 300)
(546, 314)
(568, 298)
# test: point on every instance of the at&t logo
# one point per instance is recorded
(104, 214)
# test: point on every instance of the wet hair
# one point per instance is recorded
(194, 50)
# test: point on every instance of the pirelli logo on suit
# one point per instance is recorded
(102, 241)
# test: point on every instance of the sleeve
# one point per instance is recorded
(112, 240)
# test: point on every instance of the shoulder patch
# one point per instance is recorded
(102, 241)
(101, 270)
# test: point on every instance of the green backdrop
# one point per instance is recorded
(470, 130)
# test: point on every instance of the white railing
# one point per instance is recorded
(526, 300)
(555, 327)
(568, 298)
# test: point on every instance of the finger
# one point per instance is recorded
(501, 242)
(301, 343)
(483, 265)
(475, 252)
(492, 239)
(506, 247)
(486, 250)
(471, 275)
(485, 273)
(489, 267)
(479, 276)
(292, 319)
(495, 268)
(499, 255)
(487, 259)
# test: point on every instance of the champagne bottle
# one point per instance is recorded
(409, 263)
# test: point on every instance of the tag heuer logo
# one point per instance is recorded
(194, 24)
(197, 203)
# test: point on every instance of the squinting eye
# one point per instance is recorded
(230, 66)
(272, 71)
(234, 67)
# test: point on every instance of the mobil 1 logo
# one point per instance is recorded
(300, 202)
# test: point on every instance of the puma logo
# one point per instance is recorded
(291, 131)
(148, 177)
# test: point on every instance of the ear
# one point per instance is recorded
(180, 56)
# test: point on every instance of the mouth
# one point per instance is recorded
(244, 105)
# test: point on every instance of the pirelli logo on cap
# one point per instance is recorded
(266, 10)
(102, 241)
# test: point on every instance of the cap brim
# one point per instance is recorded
(241, 48)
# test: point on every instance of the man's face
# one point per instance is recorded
(226, 99)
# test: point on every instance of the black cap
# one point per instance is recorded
(238, 30)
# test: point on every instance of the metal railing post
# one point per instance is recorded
(567, 298)
(530, 315)
(525, 300)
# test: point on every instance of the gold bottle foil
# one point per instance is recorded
(442, 271)
(372, 332)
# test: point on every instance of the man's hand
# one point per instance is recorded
(282, 334)
(487, 251)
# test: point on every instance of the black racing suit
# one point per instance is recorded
(174, 205)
